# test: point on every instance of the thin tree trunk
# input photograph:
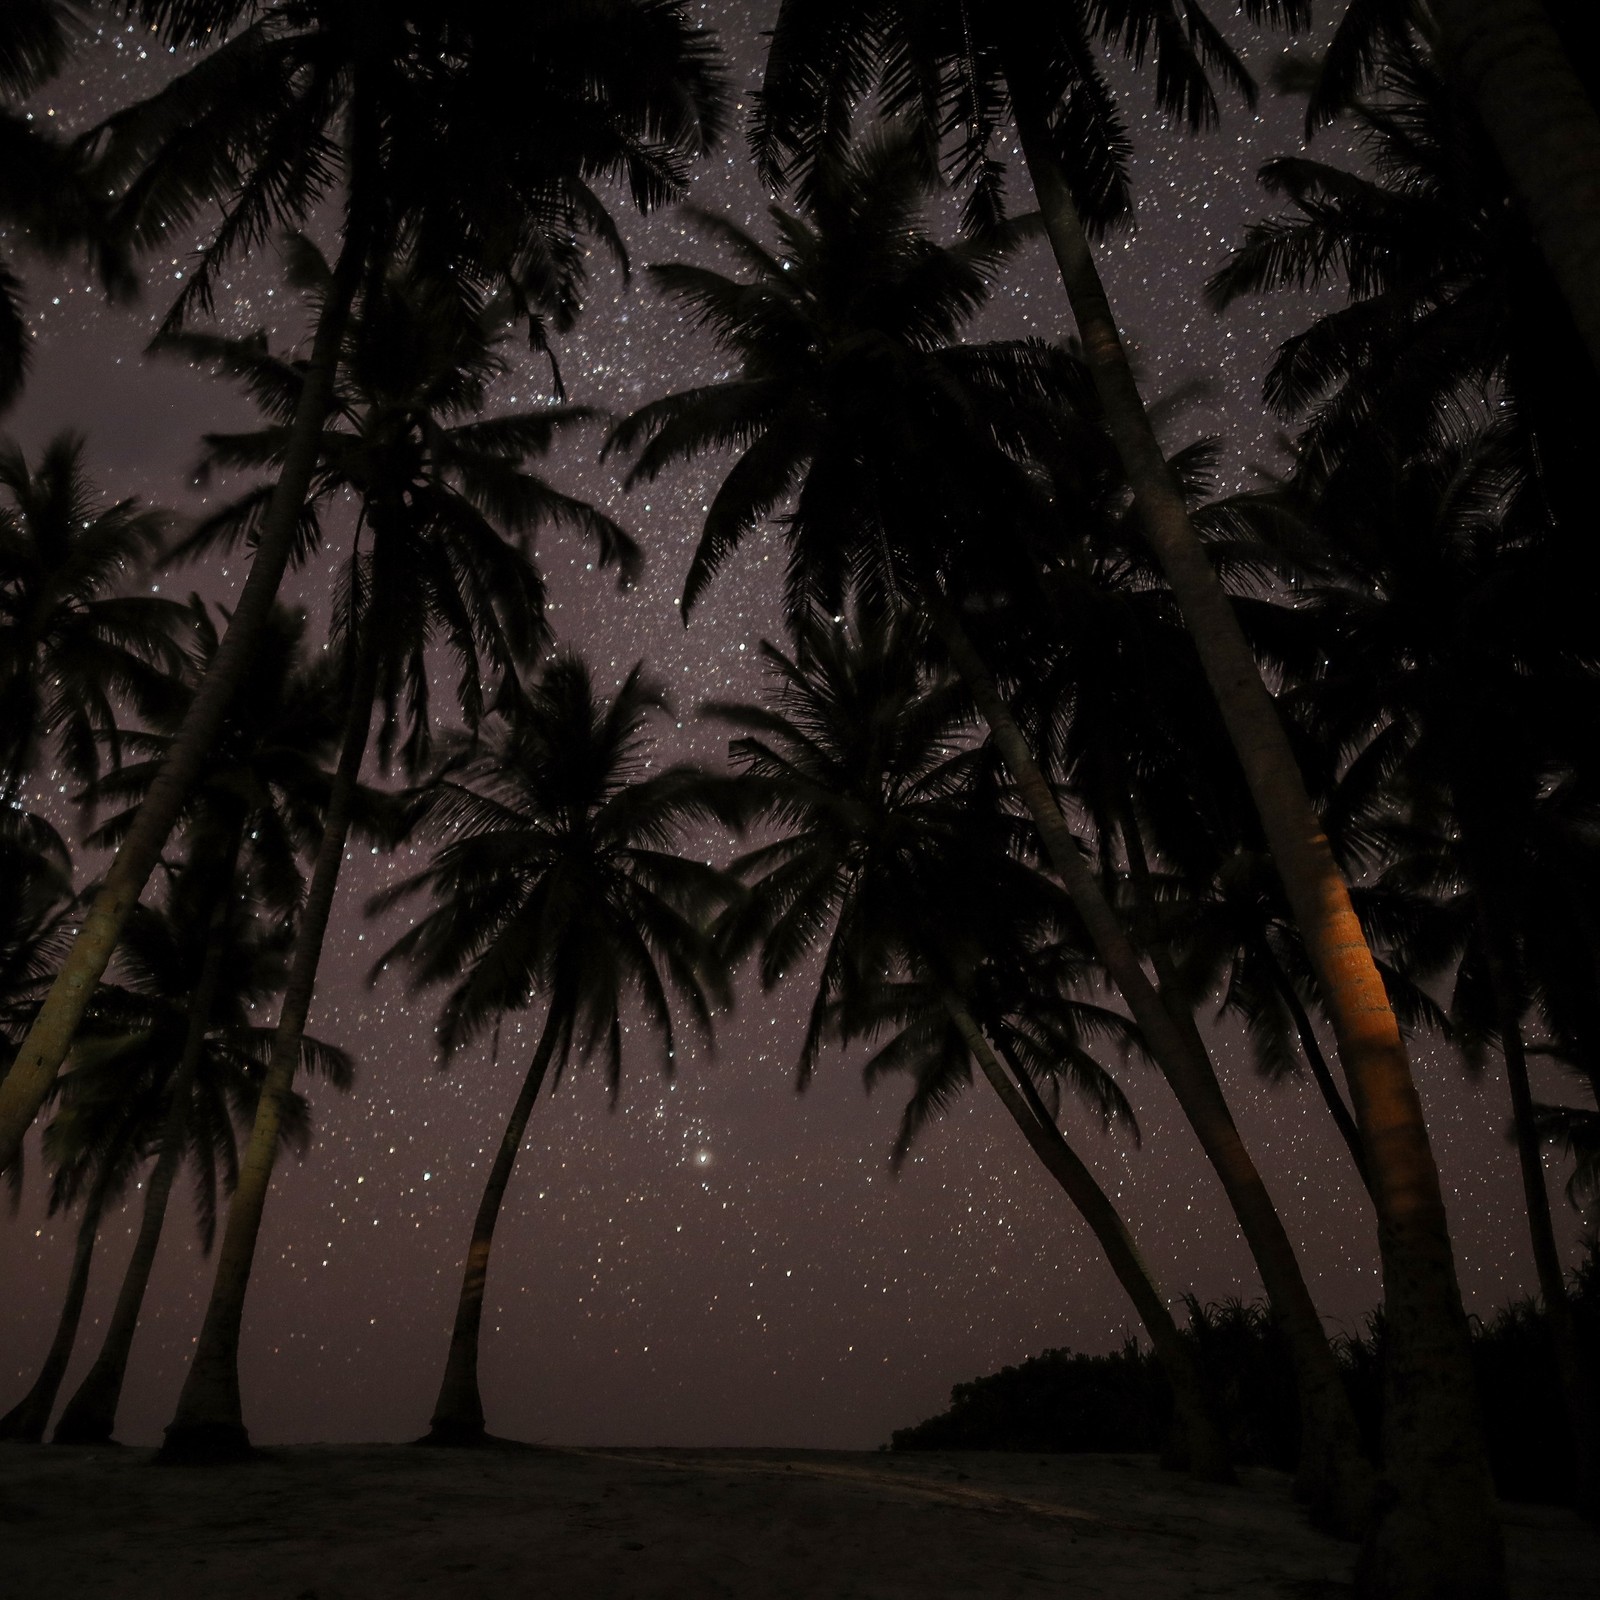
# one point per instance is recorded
(1509, 61)
(25, 1086)
(1311, 1049)
(209, 1423)
(91, 1413)
(1581, 1410)
(1438, 1531)
(1334, 1477)
(458, 1412)
(1205, 1448)
(25, 1422)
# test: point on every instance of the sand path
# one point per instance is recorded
(390, 1523)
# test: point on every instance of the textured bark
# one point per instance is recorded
(1334, 1477)
(1438, 1531)
(26, 1421)
(1509, 61)
(25, 1086)
(209, 1424)
(458, 1412)
(1205, 1449)
(91, 1414)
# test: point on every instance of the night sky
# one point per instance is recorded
(716, 1261)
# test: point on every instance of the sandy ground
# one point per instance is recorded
(389, 1522)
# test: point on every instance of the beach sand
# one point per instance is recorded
(387, 1522)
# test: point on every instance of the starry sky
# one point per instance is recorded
(716, 1260)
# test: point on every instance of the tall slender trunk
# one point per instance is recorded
(458, 1412)
(91, 1414)
(1509, 61)
(1334, 1477)
(1205, 1449)
(1577, 1384)
(25, 1086)
(1311, 1049)
(209, 1423)
(26, 1420)
(1438, 1531)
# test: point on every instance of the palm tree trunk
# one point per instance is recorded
(209, 1423)
(458, 1412)
(91, 1413)
(25, 1086)
(1334, 1477)
(1577, 1384)
(1509, 61)
(25, 1422)
(1438, 1531)
(1205, 1449)
(1311, 1049)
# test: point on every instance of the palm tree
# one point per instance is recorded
(95, 1143)
(254, 812)
(417, 362)
(42, 189)
(74, 642)
(560, 880)
(1527, 69)
(955, 69)
(185, 1040)
(170, 1063)
(467, 138)
(36, 867)
(891, 860)
(1435, 645)
(892, 442)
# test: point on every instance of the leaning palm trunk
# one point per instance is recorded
(1334, 1477)
(1508, 60)
(91, 1413)
(1438, 1532)
(25, 1086)
(458, 1412)
(26, 1421)
(209, 1424)
(1205, 1452)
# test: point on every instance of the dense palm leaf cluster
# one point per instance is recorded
(1065, 751)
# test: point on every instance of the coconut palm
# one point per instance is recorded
(892, 861)
(428, 562)
(470, 139)
(254, 812)
(1435, 641)
(957, 70)
(95, 1143)
(171, 1062)
(43, 195)
(1528, 71)
(75, 643)
(567, 878)
(890, 451)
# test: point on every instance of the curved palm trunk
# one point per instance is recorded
(25, 1086)
(1205, 1452)
(91, 1413)
(209, 1423)
(1334, 1477)
(1577, 1385)
(458, 1412)
(1311, 1049)
(1509, 61)
(25, 1422)
(1438, 1530)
